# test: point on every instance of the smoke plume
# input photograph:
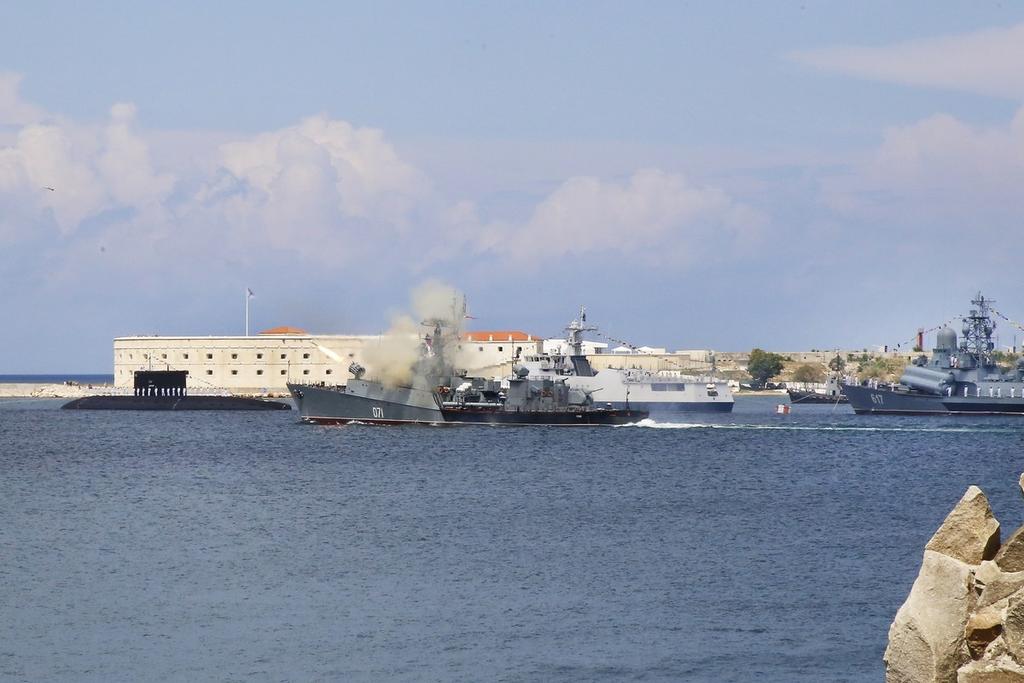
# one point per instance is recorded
(400, 354)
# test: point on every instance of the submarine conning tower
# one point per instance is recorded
(160, 382)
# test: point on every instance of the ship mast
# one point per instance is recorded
(977, 332)
(576, 329)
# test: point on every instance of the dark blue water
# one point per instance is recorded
(239, 546)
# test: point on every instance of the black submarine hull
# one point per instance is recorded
(173, 403)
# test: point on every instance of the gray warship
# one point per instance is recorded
(960, 379)
(526, 400)
(375, 402)
(658, 392)
(437, 395)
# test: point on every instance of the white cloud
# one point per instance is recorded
(987, 62)
(939, 167)
(657, 215)
(357, 167)
(324, 193)
(14, 110)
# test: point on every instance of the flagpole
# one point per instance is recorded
(246, 311)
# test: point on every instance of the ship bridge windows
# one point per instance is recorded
(668, 386)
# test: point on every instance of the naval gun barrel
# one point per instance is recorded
(926, 379)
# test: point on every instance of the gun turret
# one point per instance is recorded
(357, 370)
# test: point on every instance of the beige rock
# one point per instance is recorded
(1020, 483)
(970, 532)
(1000, 670)
(987, 571)
(926, 639)
(999, 587)
(1010, 557)
(982, 628)
(1013, 626)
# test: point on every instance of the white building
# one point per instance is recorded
(263, 363)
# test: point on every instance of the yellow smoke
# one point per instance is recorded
(392, 359)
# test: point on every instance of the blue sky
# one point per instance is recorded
(788, 175)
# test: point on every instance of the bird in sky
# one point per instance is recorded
(47, 187)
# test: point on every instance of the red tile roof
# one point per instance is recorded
(284, 329)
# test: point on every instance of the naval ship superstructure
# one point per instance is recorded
(958, 379)
(657, 392)
(372, 401)
(437, 394)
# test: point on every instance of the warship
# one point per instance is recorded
(655, 392)
(373, 401)
(529, 401)
(436, 394)
(960, 379)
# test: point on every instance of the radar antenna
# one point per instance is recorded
(977, 331)
(576, 329)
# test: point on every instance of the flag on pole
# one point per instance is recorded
(249, 293)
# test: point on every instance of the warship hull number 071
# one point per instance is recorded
(437, 394)
(958, 379)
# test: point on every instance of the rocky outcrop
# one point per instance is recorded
(970, 532)
(964, 618)
(927, 638)
(1010, 557)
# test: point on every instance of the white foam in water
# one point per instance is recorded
(653, 424)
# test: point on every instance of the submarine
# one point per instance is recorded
(166, 390)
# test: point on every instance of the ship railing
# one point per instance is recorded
(108, 390)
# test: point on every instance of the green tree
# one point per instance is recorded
(808, 373)
(887, 369)
(762, 366)
(837, 364)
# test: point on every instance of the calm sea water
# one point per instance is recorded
(241, 546)
(57, 379)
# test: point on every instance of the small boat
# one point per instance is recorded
(833, 392)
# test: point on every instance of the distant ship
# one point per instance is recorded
(960, 379)
(656, 392)
(833, 392)
(436, 395)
